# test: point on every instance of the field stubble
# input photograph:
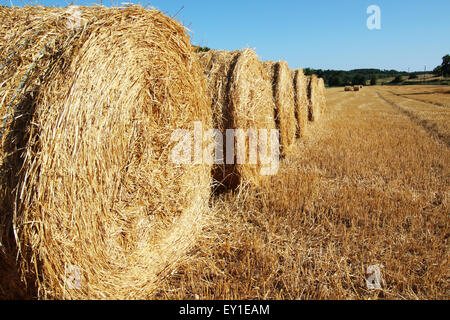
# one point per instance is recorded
(437, 95)
(367, 185)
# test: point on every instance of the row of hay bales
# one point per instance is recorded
(249, 93)
(91, 206)
(354, 88)
(240, 99)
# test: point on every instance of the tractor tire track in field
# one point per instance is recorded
(429, 127)
(419, 100)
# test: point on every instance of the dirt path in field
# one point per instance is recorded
(409, 96)
(427, 125)
(403, 104)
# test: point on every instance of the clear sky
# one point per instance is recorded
(319, 34)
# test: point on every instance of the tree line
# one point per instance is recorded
(336, 78)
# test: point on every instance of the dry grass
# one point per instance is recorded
(368, 186)
(86, 175)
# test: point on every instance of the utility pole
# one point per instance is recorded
(424, 71)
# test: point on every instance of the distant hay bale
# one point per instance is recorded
(283, 95)
(301, 101)
(355, 88)
(241, 99)
(92, 206)
(361, 86)
(348, 88)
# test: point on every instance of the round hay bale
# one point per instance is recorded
(348, 88)
(301, 101)
(315, 98)
(241, 99)
(95, 208)
(322, 93)
(283, 95)
(355, 88)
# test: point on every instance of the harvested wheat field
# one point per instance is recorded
(241, 99)
(118, 179)
(430, 111)
(437, 95)
(370, 187)
(87, 185)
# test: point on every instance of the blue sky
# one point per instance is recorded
(319, 34)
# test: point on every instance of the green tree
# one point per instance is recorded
(373, 80)
(359, 79)
(437, 71)
(413, 76)
(444, 68)
(335, 81)
(308, 71)
(202, 49)
(446, 65)
(398, 79)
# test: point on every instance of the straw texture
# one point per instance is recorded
(316, 96)
(283, 96)
(87, 183)
(322, 95)
(301, 101)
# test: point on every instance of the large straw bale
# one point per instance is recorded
(88, 190)
(241, 99)
(316, 96)
(301, 101)
(283, 95)
(322, 91)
